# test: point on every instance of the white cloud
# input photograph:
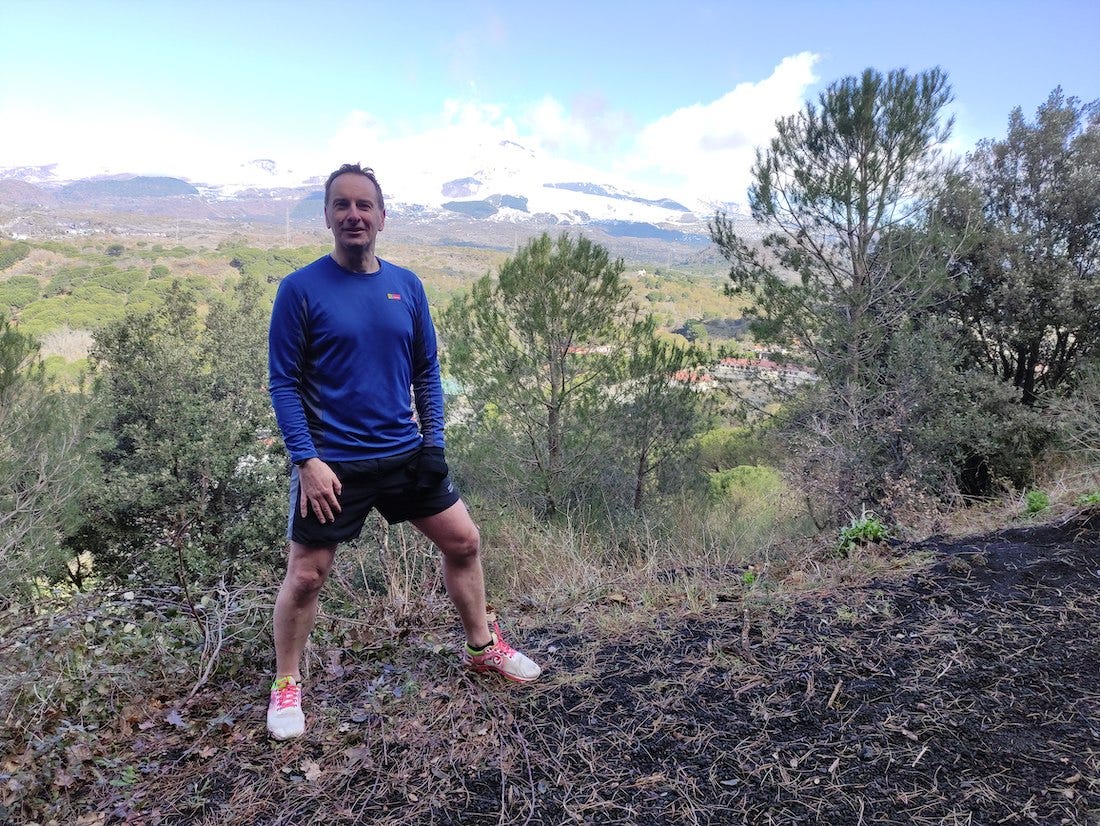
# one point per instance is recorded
(708, 149)
(702, 151)
(555, 127)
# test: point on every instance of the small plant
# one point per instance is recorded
(1088, 499)
(1036, 501)
(862, 530)
(749, 577)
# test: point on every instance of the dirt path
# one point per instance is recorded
(968, 692)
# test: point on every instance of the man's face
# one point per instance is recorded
(353, 213)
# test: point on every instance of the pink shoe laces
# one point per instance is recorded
(286, 693)
(500, 644)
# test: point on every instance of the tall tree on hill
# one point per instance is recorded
(659, 410)
(571, 390)
(1028, 307)
(526, 345)
(840, 274)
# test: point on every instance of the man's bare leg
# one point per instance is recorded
(296, 605)
(456, 536)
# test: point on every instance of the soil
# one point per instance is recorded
(962, 689)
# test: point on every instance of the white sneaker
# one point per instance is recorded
(284, 712)
(500, 657)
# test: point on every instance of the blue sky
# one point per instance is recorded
(671, 97)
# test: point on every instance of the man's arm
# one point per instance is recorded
(286, 347)
(427, 384)
(318, 485)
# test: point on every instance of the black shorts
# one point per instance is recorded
(389, 484)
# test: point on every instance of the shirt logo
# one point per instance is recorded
(393, 296)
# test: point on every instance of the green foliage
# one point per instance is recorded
(19, 291)
(193, 483)
(864, 529)
(726, 447)
(572, 401)
(755, 498)
(87, 307)
(656, 415)
(529, 343)
(118, 281)
(745, 482)
(834, 180)
(13, 253)
(696, 331)
(115, 250)
(1035, 501)
(1087, 499)
(1025, 297)
(268, 265)
(43, 468)
(178, 251)
(64, 280)
(875, 270)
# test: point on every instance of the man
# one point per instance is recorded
(350, 336)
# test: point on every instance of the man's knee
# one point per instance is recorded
(306, 579)
(307, 572)
(462, 547)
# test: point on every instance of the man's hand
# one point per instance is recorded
(319, 488)
(431, 468)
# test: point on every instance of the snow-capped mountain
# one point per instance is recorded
(497, 181)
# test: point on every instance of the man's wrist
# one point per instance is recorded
(302, 462)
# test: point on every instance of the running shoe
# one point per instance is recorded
(284, 712)
(500, 657)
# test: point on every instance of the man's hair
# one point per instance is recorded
(356, 169)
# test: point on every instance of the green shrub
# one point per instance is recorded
(67, 279)
(87, 308)
(11, 254)
(727, 447)
(1035, 501)
(864, 529)
(192, 488)
(19, 291)
(1088, 499)
(116, 280)
(751, 481)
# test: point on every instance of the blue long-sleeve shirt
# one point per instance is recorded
(348, 352)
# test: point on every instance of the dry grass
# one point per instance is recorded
(927, 684)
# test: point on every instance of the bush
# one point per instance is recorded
(755, 481)
(1035, 501)
(11, 254)
(118, 281)
(864, 529)
(66, 279)
(193, 488)
(19, 291)
(43, 468)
